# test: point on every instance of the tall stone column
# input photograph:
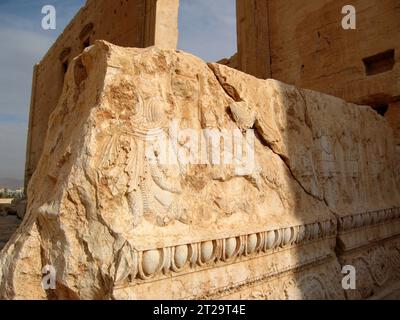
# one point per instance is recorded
(162, 23)
(253, 38)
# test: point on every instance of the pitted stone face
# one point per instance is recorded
(115, 220)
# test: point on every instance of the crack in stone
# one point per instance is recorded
(309, 124)
(229, 89)
(234, 94)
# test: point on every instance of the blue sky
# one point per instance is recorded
(207, 29)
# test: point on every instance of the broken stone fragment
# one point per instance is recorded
(243, 115)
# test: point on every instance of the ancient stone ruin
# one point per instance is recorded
(155, 175)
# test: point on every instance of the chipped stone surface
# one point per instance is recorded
(116, 220)
(337, 151)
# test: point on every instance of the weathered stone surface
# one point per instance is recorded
(130, 23)
(116, 220)
(20, 207)
(303, 43)
(337, 151)
(393, 117)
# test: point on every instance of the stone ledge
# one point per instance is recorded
(360, 220)
(235, 276)
(177, 259)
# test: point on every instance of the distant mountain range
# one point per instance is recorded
(10, 183)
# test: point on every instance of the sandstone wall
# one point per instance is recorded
(311, 186)
(305, 45)
(133, 23)
(314, 52)
(253, 37)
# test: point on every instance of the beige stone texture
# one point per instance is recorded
(162, 25)
(393, 117)
(326, 155)
(118, 222)
(304, 44)
(131, 23)
(253, 37)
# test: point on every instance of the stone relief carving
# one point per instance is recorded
(296, 231)
(309, 286)
(376, 267)
(175, 260)
(368, 219)
(182, 258)
(152, 189)
(321, 284)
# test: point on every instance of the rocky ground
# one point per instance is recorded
(8, 225)
(9, 221)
